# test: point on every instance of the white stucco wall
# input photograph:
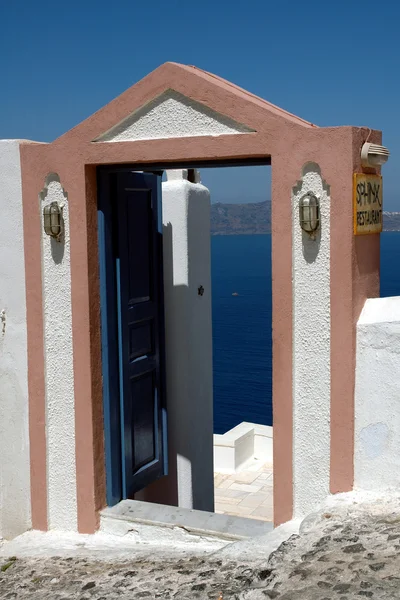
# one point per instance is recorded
(311, 349)
(188, 330)
(15, 514)
(377, 394)
(60, 408)
(172, 115)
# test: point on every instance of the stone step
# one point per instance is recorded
(144, 518)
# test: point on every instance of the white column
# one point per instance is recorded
(311, 349)
(59, 371)
(188, 325)
(15, 511)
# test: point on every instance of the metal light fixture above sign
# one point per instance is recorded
(373, 155)
(52, 220)
(309, 214)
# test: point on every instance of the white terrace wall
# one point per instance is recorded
(15, 517)
(377, 396)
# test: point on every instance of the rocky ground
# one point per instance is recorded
(348, 550)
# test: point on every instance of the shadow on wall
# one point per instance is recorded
(311, 247)
(189, 482)
(57, 247)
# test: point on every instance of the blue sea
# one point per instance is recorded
(242, 325)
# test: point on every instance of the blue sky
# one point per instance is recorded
(333, 63)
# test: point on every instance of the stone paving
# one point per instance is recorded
(245, 494)
(346, 552)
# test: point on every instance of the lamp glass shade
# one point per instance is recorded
(309, 213)
(52, 219)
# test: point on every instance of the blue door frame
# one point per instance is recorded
(124, 373)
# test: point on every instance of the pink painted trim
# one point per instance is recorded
(282, 342)
(33, 179)
(214, 92)
(85, 296)
(354, 278)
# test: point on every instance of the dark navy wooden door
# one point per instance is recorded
(135, 211)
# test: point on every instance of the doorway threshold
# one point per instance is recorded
(149, 520)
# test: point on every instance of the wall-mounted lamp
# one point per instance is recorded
(309, 214)
(52, 220)
(373, 155)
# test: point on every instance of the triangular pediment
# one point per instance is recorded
(172, 115)
(180, 101)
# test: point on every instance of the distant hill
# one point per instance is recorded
(391, 221)
(235, 219)
(255, 218)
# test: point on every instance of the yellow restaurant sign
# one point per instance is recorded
(367, 202)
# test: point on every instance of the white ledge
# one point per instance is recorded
(238, 447)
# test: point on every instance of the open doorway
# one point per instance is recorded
(242, 339)
(139, 463)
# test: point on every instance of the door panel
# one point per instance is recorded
(140, 304)
(138, 291)
(137, 217)
(143, 419)
(141, 339)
